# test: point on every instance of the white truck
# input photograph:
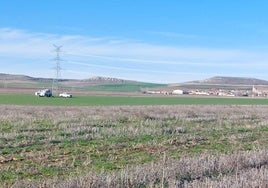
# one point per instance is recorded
(65, 95)
(44, 93)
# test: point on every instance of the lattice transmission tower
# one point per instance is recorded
(57, 59)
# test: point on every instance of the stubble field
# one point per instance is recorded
(134, 146)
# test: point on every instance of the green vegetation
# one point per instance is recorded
(17, 99)
(25, 84)
(126, 87)
(46, 144)
(81, 86)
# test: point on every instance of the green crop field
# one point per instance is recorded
(125, 87)
(24, 99)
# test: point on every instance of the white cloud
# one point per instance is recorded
(123, 56)
(173, 34)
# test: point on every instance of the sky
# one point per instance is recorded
(159, 41)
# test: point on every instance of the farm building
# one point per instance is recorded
(260, 91)
(177, 92)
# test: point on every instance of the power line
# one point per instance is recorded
(55, 84)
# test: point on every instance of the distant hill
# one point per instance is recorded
(93, 80)
(219, 80)
(14, 77)
(9, 81)
(105, 80)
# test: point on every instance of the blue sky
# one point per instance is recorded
(147, 40)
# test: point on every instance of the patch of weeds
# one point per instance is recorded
(55, 141)
(42, 122)
(195, 149)
(66, 143)
(143, 139)
(38, 138)
(21, 137)
(107, 166)
(32, 148)
(9, 150)
(159, 182)
(181, 178)
(63, 134)
(178, 130)
(3, 141)
(50, 171)
(222, 146)
(133, 156)
(118, 139)
(5, 127)
(23, 174)
(147, 158)
(264, 128)
(77, 163)
(198, 147)
(215, 134)
(170, 118)
(82, 132)
(123, 120)
(148, 117)
(141, 185)
(39, 129)
(8, 175)
(124, 140)
(107, 124)
(84, 142)
(249, 138)
(249, 147)
(243, 130)
(6, 151)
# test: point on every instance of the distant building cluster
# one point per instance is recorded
(254, 92)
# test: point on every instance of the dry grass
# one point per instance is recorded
(141, 146)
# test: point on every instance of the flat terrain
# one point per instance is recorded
(133, 146)
(108, 100)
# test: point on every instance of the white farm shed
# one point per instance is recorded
(177, 92)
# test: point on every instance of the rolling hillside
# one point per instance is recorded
(105, 84)
(231, 81)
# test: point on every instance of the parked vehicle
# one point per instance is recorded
(37, 93)
(65, 95)
(44, 93)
